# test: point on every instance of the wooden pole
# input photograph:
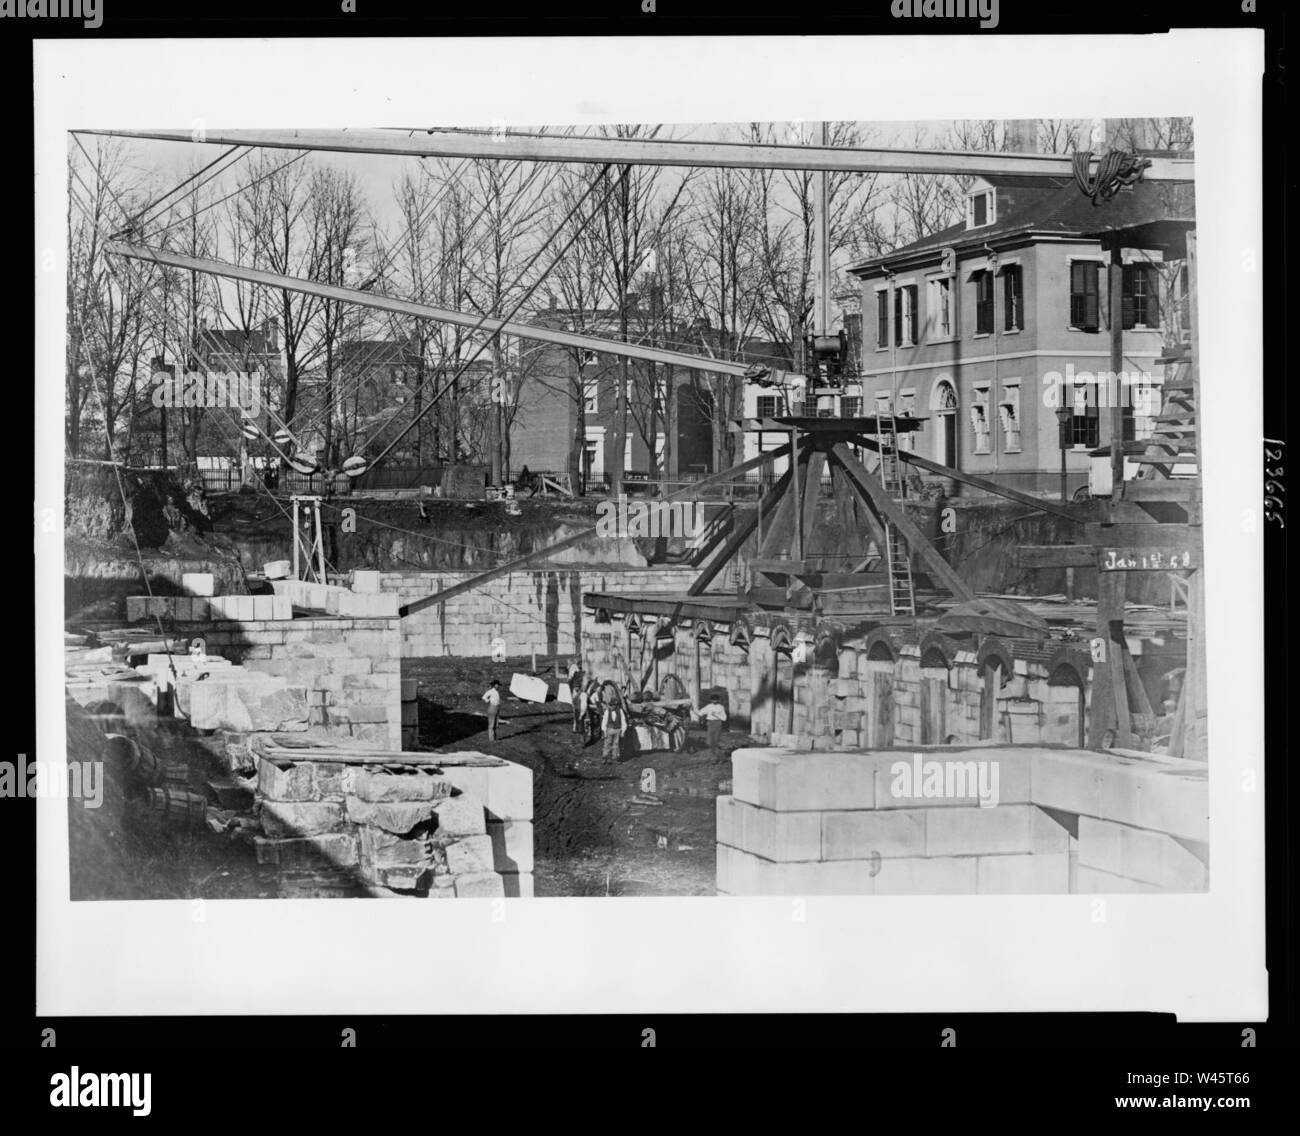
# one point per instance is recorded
(1116, 274)
(874, 494)
(654, 152)
(586, 534)
(383, 303)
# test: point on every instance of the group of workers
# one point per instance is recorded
(597, 714)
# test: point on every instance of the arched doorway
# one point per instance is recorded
(943, 407)
(1066, 710)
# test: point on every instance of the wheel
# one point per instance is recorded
(671, 688)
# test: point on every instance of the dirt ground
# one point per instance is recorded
(591, 837)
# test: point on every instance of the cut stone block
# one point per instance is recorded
(506, 791)
(263, 607)
(337, 848)
(938, 875)
(470, 854)
(1154, 858)
(857, 835)
(1047, 874)
(410, 689)
(397, 817)
(418, 786)
(975, 831)
(197, 583)
(772, 835)
(480, 885)
(136, 608)
(281, 607)
(286, 783)
(788, 781)
(364, 581)
(512, 845)
(530, 688)
(462, 815)
(300, 818)
(277, 569)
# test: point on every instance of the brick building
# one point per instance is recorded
(975, 327)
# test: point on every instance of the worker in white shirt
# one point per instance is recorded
(575, 696)
(492, 696)
(714, 716)
(613, 725)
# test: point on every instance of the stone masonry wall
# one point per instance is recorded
(1066, 821)
(335, 828)
(528, 611)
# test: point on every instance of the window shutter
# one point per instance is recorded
(1153, 296)
(882, 319)
(1091, 298)
(898, 317)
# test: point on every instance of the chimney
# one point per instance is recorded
(1021, 135)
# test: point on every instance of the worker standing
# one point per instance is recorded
(591, 723)
(614, 725)
(714, 716)
(492, 696)
(575, 697)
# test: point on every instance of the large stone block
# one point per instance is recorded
(337, 848)
(1023, 874)
(953, 779)
(857, 835)
(300, 818)
(296, 782)
(470, 854)
(417, 785)
(975, 831)
(480, 885)
(506, 790)
(1140, 854)
(940, 875)
(197, 583)
(782, 836)
(1090, 881)
(787, 781)
(461, 815)
(517, 885)
(512, 845)
(397, 817)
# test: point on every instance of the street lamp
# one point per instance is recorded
(1063, 417)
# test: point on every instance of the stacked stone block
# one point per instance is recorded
(528, 611)
(808, 822)
(395, 830)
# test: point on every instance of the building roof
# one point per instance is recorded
(1155, 214)
(236, 341)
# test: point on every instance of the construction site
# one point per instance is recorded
(921, 531)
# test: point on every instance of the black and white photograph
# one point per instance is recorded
(807, 506)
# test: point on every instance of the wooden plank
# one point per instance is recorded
(980, 483)
(917, 541)
(1055, 556)
(586, 534)
(1143, 535)
(510, 146)
(1174, 558)
(1175, 489)
(1137, 690)
(811, 490)
(384, 303)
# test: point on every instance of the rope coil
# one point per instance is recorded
(1116, 170)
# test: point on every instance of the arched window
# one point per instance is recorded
(1066, 704)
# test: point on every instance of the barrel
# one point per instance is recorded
(177, 806)
(138, 763)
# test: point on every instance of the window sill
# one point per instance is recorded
(982, 335)
(1014, 331)
(1085, 330)
(943, 339)
(1012, 450)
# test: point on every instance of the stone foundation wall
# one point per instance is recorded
(1065, 821)
(845, 697)
(528, 611)
(429, 831)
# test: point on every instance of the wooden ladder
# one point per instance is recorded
(1173, 440)
(902, 590)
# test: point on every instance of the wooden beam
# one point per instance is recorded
(979, 482)
(812, 484)
(423, 311)
(577, 538)
(917, 542)
(1055, 556)
(738, 537)
(434, 143)
(1153, 535)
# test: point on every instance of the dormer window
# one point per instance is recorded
(981, 208)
